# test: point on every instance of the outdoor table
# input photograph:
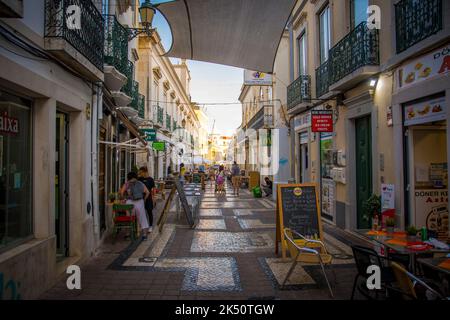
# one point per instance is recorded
(401, 243)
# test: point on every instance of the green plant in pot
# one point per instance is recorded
(412, 231)
(390, 224)
(372, 208)
(112, 197)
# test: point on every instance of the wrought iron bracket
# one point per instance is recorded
(134, 32)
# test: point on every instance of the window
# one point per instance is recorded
(302, 54)
(358, 12)
(15, 170)
(325, 34)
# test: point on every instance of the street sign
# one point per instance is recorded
(322, 121)
(149, 134)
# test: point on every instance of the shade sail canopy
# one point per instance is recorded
(239, 33)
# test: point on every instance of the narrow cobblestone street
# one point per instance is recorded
(229, 255)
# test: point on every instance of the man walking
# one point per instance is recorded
(236, 178)
(150, 201)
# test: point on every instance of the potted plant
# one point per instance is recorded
(390, 224)
(112, 197)
(372, 208)
(412, 231)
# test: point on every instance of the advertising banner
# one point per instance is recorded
(425, 112)
(256, 78)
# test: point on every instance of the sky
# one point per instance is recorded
(210, 83)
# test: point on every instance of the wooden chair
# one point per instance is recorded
(310, 251)
(124, 218)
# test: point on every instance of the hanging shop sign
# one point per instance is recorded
(256, 78)
(159, 145)
(424, 68)
(424, 112)
(8, 124)
(149, 134)
(322, 121)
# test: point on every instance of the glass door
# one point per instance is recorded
(61, 186)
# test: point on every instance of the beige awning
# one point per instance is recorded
(239, 33)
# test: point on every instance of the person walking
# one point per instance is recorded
(182, 173)
(150, 203)
(211, 174)
(236, 178)
(220, 180)
(136, 194)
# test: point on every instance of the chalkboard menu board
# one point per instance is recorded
(184, 202)
(298, 209)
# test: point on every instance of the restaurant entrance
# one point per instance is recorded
(426, 165)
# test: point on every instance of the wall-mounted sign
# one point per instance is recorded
(8, 124)
(424, 68)
(424, 112)
(256, 78)
(387, 196)
(322, 121)
(159, 145)
(389, 116)
(149, 134)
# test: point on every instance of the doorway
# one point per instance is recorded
(303, 157)
(62, 186)
(102, 179)
(363, 167)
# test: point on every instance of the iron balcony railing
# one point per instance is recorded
(85, 34)
(129, 72)
(322, 79)
(416, 20)
(168, 122)
(141, 106)
(299, 91)
(116, 45)
(357, 49)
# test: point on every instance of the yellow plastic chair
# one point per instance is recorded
(407, 282)
(309, 251)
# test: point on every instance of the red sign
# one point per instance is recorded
(322, 121)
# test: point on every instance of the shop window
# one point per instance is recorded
(15, 170)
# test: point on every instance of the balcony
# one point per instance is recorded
(115, 53)
(299, 92)
(141, 106)
(124, 97)
(322, 79)
(158, 116)
(354, 58)
(416, 21)
(167, 128)
(79, 46)
(131, 90)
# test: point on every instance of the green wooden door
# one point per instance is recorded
(363, 167)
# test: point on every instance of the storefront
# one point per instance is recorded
(421, 108)
(15, 170)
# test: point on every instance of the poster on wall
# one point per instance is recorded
(424, 112)
(424, 68)
(328, 195)
(387, 196)
(432, 210)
